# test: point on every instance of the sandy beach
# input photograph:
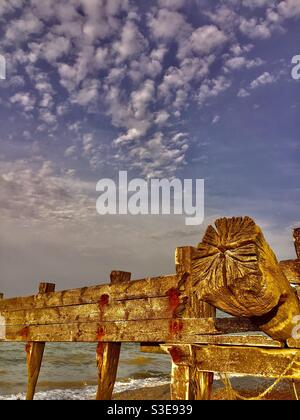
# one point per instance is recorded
(283, 392)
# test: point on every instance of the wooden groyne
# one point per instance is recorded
(232, 269)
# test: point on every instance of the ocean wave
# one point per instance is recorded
(89, 392)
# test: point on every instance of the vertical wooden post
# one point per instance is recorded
(35, 352)
(2, 327)
(108, 354)
(297, 241)
(187, 382)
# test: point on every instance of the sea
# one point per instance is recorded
(69, 371)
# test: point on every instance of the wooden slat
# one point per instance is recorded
(291, 269)
(248, 361)
(138, 289)
(223, 340)
(105, 310)
(160, 331)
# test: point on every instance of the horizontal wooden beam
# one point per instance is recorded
(159, 331)
(138, 289)
(223, 340)
(248, 361)
(291, 269)
(104, 310)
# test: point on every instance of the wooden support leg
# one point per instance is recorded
(108, 354)
(180, 382)
(187, 382)
(198, 385)
(35, 352)
(190, 384)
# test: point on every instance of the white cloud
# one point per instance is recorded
(211, 88)
(25, 100)
(142, 98)
(243, 93)
(289, 8)
(216, 119)
(88, 93)
(19, 29)
(255, 29)
(161, 117)
(70, 151)
(206, 39)
(167, 24)
(131, 43)
(236, 63)
(264, 79)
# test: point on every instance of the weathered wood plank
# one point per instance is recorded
(222, 340)
(240, 340)
(35, 352)
(236, 271)
(248, 361)
(198, 384)
(138, 289)
(182, 381)
(159, 331)
(291, 269)
(105, 310)
(108, 354)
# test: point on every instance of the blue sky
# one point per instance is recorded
(192, 89)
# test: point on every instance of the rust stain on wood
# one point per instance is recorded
(28, 348)
(174, 299)
(176, 327)
(100, 333)
(24, 333)
(176, 354)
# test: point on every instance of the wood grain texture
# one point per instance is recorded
(105, 310)
(159, 331)
(35, 352)
(108, 354)
(268, 363)
(235, 270)
(291, 269)
(198, 384)
(248, 340)
(138, 289)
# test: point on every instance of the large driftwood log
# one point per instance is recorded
(235, 270)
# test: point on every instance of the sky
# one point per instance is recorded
(168, 88)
